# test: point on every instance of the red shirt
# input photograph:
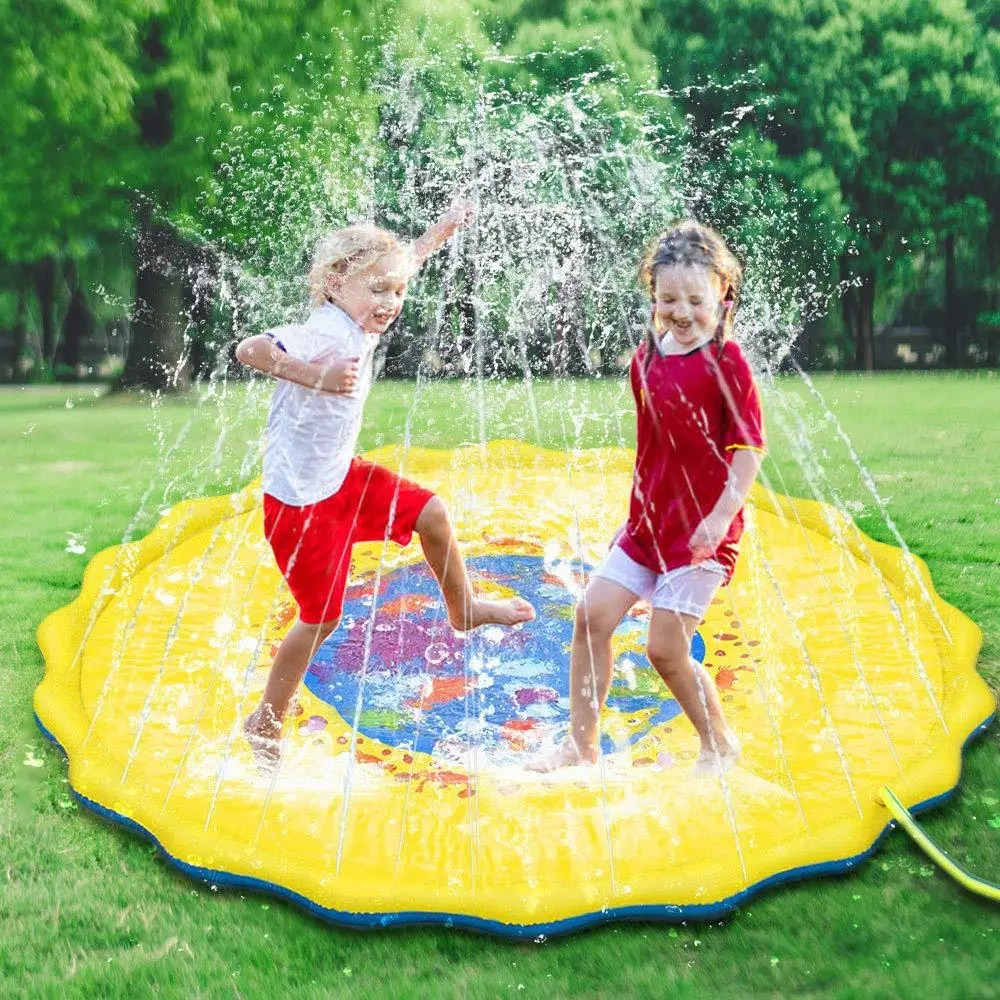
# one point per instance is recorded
(693, 412)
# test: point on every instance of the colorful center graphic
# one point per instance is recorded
(412, 682)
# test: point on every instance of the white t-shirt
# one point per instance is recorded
(310, 436)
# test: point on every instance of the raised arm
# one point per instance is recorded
(454, 219)
(263, 354)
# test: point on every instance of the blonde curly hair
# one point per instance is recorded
(346, 252)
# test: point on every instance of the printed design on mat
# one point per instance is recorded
(492, 695)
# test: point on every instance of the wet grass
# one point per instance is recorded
(88, 910)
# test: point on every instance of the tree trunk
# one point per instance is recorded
(19, 369)
(78, 326)
(208, 339)
(952, 347)
(864, 358)
(848, 303)
(571, 312)
(461, 352)
(560, 337)
(808, 347)
(45, 290)
(157, 351)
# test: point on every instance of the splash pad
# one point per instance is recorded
(401, 795)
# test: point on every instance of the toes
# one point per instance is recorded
(715, 764)
(522, 610)
(565, 755)
(266, 753)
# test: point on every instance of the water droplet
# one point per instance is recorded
(75, 545)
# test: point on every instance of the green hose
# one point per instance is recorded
(904, 817)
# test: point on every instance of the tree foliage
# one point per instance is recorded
(887, 111)
(220, 136)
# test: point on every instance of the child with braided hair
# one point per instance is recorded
(700, 442)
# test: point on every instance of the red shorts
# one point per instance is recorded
(312, 544)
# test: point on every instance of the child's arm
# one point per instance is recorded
(707, 537)
(442, 230)
(743, 438)
(262, 353)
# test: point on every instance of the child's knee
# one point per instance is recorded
(591, 620)
(321, 630)
(669, 653)
(328, 628)
(433, 520)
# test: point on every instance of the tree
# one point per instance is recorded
(228, 92)
(66, 111)
(544, 133)
(860, 92)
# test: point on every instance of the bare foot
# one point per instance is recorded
(510, 611)
(263, 733)
(567, 754)
(713, 762)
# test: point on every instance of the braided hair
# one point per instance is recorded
(690, 244)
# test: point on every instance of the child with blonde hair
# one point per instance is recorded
(319, 498)
(699, 445)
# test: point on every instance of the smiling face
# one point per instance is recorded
(373, 297)
(687, 303)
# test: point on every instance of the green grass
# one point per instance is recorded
(86, 909)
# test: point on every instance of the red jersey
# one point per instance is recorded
(693, 412)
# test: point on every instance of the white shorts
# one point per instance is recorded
(687, 590)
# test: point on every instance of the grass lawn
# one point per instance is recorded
(87, 909)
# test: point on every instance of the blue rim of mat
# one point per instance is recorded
(653, 912)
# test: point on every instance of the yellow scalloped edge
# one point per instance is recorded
(491, 893)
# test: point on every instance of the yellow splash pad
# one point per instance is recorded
(401, 795)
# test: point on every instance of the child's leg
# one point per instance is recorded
(465, 610)
(590, 669)
(669, 651)
(291, 661)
